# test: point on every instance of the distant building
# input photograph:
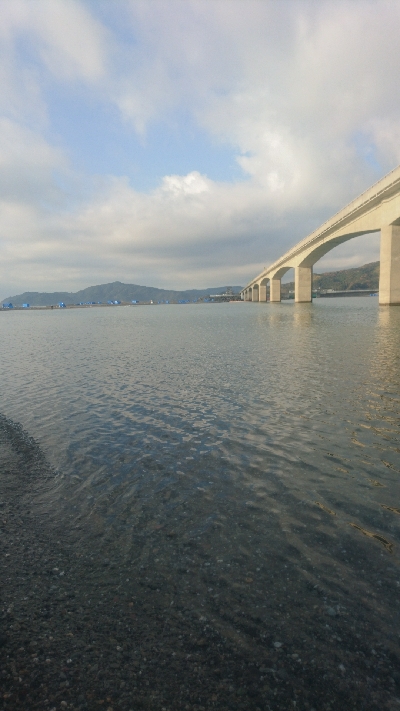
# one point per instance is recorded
(8, 306)
(25, 306)
(228, 295)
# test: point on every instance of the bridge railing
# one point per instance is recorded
(358, 202)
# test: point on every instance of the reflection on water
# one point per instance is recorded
(238, 457)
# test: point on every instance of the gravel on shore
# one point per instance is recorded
(81, 631)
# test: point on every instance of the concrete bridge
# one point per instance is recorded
(377, 209)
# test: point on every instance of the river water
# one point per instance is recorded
(239, 465)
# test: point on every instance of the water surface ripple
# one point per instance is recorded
(239, 463)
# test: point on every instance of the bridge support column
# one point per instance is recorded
(262, 292)
(389, 274)
(303, 278)
(275, 290)
(255, 294)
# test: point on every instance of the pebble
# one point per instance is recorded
(128, 644)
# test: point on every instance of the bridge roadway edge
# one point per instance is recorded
(376, 209)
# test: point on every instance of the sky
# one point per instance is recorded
(187, 143)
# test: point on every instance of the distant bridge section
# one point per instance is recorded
(377, 209)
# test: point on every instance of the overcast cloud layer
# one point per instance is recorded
(185, 144)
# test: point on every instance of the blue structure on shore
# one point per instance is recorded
(8, 306)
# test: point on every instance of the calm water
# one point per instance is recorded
(224, 450)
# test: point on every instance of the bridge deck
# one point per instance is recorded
(382, 191)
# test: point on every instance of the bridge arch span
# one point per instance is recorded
(377, 209)
(316, 253)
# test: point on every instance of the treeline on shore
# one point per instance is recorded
(366, 277)
(116, 291)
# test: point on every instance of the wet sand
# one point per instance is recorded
(83, 631)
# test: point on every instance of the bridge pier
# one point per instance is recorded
(262, 291)
(255, 293)
(303, 278)
(389, 274)
(377, 208)
(275, 290)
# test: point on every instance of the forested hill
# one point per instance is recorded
(366, 277)
(112, 292)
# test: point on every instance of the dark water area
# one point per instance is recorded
(200, 507)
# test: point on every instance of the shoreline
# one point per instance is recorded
(81, 631)
(56, 307)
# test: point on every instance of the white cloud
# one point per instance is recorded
(45, 41)
(191, 184)
(358, 251)
(289, 85)
(304, 93)
(27, 165)
(67, 38)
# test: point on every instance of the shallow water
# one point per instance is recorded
(237, 399)
(235, 457)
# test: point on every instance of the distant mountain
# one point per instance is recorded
(112, 292)
(366, 277)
